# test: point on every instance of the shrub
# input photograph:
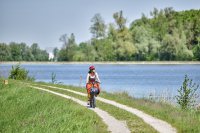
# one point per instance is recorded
(19, 73)
(53, 78)
(186, 97)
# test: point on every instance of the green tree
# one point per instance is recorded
(26, 52)
(19, 73)
(79, 56)
(122, 44)
(196, 51)
(122, 31)
(158, 23)
(104, 49)
(183, 52)
(89, 52)
(15, 51)
(39, 55)
(186, 97)
(174, 47)
(72, 46)
(112, 33)
(191, 25)
(167, 35)
(124, 50)
(5, 52)
(69, 47)
(55, 53)
(22, 52)
(35, 51)
(145, 42)
(64, 40)
(63, 54)
(168, 48)
(120, 20)
(98, 27)
(43, 55)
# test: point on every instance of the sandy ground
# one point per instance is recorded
(160, 125)
(104, 62)
(114, 125)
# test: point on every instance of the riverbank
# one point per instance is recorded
(107, 62)
(180, 119)
(25, 98)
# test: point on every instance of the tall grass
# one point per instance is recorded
(23, 109)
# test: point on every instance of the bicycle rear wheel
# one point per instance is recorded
(92, 101)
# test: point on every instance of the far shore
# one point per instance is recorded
(105, 62)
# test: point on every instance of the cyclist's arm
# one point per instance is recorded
(97, 78)
(87, 79)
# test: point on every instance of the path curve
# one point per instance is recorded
(114, 125)
(160, 125)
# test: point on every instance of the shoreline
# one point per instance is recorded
(108, 62)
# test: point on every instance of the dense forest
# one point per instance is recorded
(22, 52)
(167, 35)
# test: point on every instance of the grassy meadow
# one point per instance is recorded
(184, 121)
(134, 123)
(23, 109)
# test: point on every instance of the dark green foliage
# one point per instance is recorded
(19, 73)
(38, 54)
(5, 52)
(69, 48)
(98, 28)
(22, 52)
(55, 53)
(186, 97)
(120, 20)
(196, 51)
(53, 79)
(168, 35)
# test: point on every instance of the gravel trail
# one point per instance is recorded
(159, 125)
(114, 125)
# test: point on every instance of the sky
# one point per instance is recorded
(44, 21)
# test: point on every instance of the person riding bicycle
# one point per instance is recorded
(92, 79)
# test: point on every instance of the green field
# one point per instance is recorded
(24, 109)
(184, 121)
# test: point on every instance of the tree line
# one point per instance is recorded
(167, 35)
(22, 52)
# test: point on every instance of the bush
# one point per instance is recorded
(19, 73)
(186, 97)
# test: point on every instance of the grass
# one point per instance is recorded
(134, 123)
(184, 121)
(23, 109)
(30, 112)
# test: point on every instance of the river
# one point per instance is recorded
(139, 80)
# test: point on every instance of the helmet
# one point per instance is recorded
(91, 67)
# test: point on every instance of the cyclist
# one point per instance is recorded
(92, 79)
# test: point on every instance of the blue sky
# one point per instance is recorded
(44, 21)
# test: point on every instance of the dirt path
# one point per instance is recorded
(114, 125)
(160, 125)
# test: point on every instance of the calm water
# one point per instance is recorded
(138, 80)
